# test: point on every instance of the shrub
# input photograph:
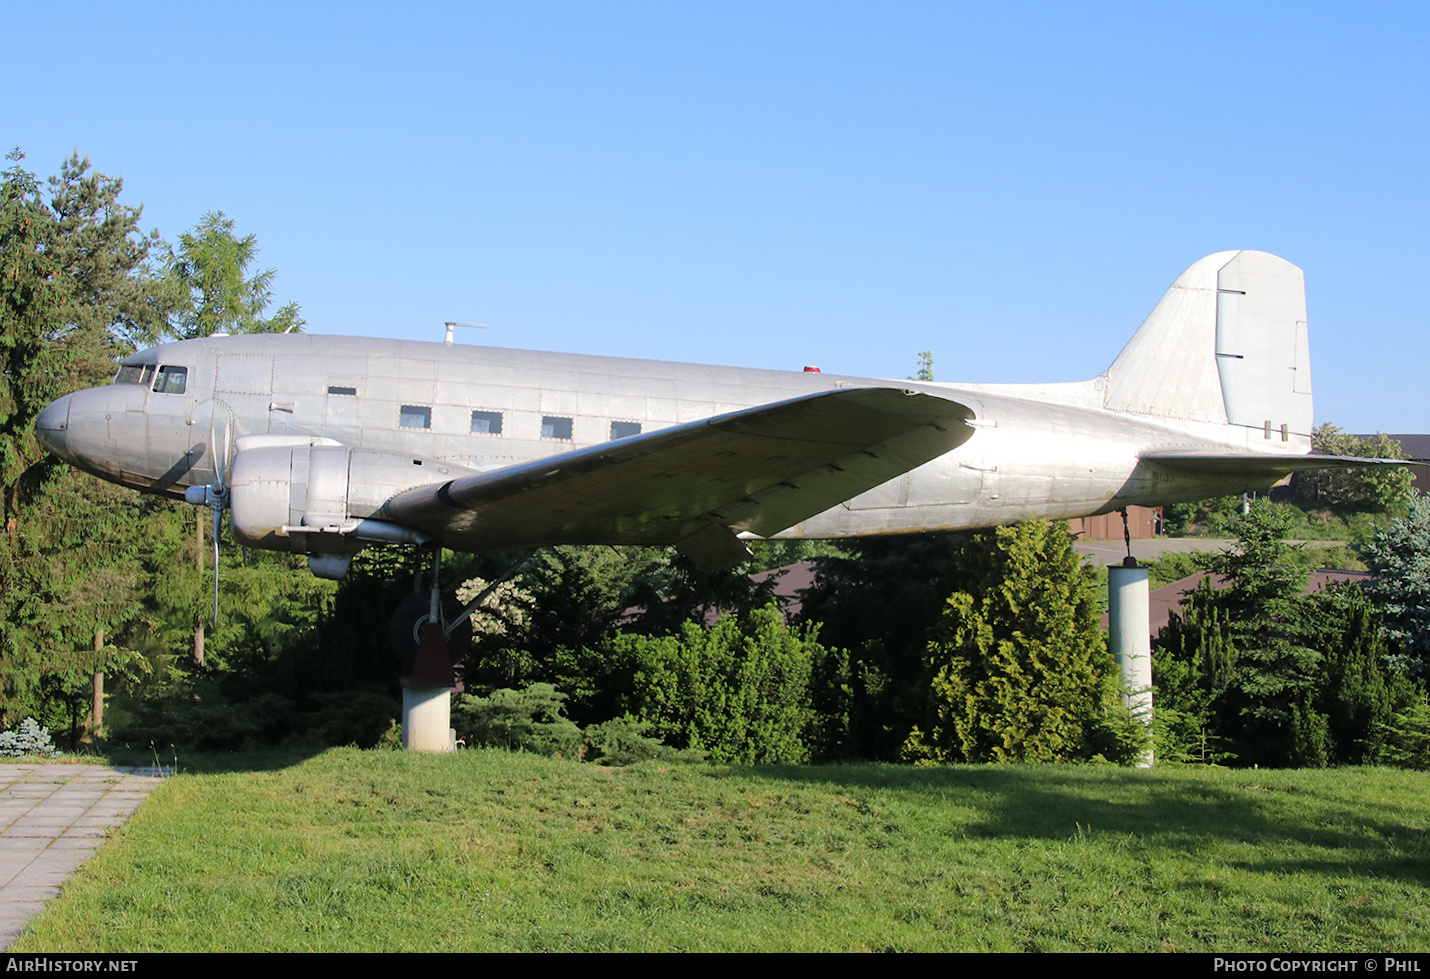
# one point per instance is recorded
(738, 690)
(28, 740)
(626, 740)
(532, 719)
(1020, 670)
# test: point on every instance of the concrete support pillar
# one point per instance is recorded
(1129, 635)
(427, 719)
(427, 694)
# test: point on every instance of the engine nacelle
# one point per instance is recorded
(316, 496)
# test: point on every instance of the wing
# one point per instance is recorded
(700, 484)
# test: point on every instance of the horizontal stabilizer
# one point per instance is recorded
(1221, 463)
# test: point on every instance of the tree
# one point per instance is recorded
(1399, 557)
(1379, 488)
(881, 602)
(210, 274)
(1020, 670)
(1265, 672)
(925, 371)
(1266, 710)
(738, 690)
(1193, 660)
(76, 288)
(1359, 695)
(210, 269)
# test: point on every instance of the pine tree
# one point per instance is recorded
(1262, 673)
(210, 272)
(1399, 557)
(1020, 670)
(75, 289)
(1192, 666)
(1359, 694)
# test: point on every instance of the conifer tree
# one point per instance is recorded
(882, 602)
(1263, 673)
(210, 271)
(1399, 557)
(1020, 670)
(75, 290)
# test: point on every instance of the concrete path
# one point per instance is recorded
(1149, 549)
(52, 817)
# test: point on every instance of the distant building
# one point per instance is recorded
(1417, 449)
(1142, 521)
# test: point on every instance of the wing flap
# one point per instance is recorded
(758, 470)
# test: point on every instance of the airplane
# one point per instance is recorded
(323, 445)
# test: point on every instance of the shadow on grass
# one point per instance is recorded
(217, 762)
(1196, 811)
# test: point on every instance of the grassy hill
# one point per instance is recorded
(351, 850)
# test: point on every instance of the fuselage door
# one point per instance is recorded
(244, 382)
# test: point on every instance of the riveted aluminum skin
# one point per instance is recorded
(485, 448)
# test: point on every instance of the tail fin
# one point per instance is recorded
(1226, 345)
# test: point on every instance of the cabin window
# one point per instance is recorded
(171, 380)
(555, 427)
(346, 392)
(415, 416)
(624, 430)
(486, 423)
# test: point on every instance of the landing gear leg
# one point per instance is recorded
(426, 650)
(430, 636)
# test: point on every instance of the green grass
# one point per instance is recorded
(351, 850)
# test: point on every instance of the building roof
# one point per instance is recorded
(1415, 447)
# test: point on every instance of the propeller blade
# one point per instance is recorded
(218, 525)
(218, 453)
(217, 495)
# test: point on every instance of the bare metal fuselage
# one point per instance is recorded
(1036, 451)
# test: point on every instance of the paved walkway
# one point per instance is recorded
(1151, 548)
(52, 817)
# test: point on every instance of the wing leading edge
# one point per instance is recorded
(700, 484)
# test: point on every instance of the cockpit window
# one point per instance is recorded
(171, 380)
(135, 374)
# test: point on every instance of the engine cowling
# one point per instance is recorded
(316, 496)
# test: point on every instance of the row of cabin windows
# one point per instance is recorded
(490, 423)
(171, 379)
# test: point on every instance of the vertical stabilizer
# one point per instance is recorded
(1226, 345)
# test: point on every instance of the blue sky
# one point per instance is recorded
(1012, 186)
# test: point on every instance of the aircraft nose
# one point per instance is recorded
(52, 426)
